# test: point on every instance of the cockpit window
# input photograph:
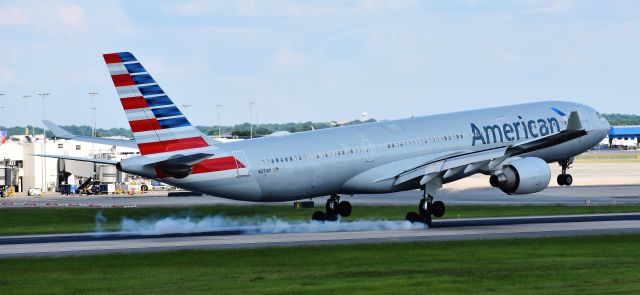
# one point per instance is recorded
(599, 115)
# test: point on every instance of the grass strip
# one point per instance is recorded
(572, 265)
(18, 221)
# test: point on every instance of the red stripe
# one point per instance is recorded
(144, 125)
(217, 164)
(112, 58)
(122, 80)
(171, 145)
(135, 102)
(209, 165)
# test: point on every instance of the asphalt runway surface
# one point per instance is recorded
(574, 195)
(224, 238)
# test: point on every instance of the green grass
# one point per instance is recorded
(16, 221)
(572, 265)
(633, 156)
(609, 158)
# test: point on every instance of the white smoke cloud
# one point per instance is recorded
(168, 225)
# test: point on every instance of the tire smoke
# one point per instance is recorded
(169, 225)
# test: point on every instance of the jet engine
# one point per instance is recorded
(522, 176)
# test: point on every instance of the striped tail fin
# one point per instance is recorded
(157, 124)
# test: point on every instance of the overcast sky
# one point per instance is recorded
(320, 60)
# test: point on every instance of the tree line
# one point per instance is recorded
(622, 119)
(238, 130)
(244, 130)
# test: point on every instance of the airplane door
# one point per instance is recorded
(368, 150)
(242, 164)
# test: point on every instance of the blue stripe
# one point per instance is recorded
(150, 90)
(166, 112)
(558, 111)
(158, 101)
(142, 79)
(126, 56)
(134, 68)
(173, 123)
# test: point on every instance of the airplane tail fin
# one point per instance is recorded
(157, 124)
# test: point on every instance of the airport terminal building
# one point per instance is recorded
(22, 170)
(624, 136)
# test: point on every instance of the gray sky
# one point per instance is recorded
(320, 60)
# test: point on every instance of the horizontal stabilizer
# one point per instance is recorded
(59, 132)
(188, 159)
(81, 159)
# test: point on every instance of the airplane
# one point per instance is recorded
(512, 145)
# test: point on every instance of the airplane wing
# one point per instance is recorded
(59, 132)
(485, 160)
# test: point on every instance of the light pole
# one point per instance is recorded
(251, 118)
(186, 109)
(1, 107)
(93, 109)
(26, 112)
(219, 106)
(44, 140)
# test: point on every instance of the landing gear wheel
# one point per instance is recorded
(437, 208)
(333, 208)
(331, 217)
(318, 216)
(426, 220)
(424, 207)
(412, 217)
(564, 178)
(568, 180)
(344, 208)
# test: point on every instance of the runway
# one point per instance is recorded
(574, 195)
(458, 229)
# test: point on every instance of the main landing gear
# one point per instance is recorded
(333, 208)
(564, 178)
(426, 209)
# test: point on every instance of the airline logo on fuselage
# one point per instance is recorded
(521, 129)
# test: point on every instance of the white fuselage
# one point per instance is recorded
(348, 159)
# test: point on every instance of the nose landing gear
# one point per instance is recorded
(333, 208)
(564, 178)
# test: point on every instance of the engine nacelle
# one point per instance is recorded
(176, 171)
(522, 176)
